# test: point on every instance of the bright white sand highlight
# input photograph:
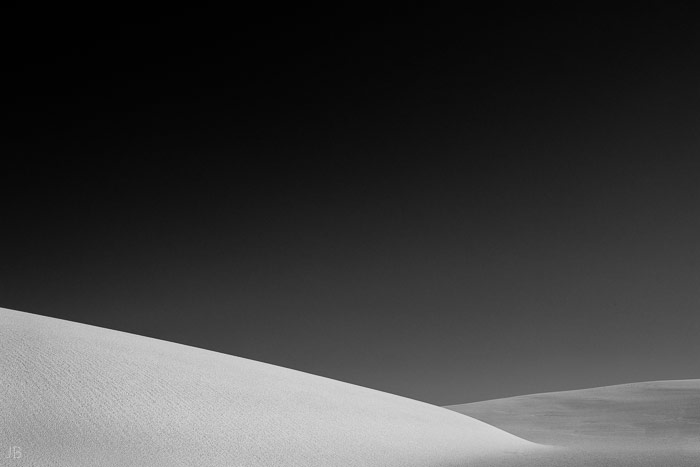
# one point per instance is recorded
(77, 395)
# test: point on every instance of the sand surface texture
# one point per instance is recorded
(77, 395)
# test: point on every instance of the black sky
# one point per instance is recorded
(447, 210)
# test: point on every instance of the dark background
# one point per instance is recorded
(451, 207)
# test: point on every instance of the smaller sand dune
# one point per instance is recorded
(653, 415)
(653, 424)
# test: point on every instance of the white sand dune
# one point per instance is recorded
(657, 413)
(642, 424)
(77, 395)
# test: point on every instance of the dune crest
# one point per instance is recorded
(78, 395)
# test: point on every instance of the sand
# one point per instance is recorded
(663, 414)
(77, 395)
(641, 424)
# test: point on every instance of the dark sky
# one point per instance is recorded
(452, 209)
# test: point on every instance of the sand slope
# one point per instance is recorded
(662, 414)
(77, 395)
(652, 424)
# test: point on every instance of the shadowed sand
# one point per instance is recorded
(641, 424)
(77, 395)
(663, 414)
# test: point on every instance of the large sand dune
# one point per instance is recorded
(77, 395)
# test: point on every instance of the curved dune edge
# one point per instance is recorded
(78, 395)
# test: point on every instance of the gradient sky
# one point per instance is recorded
(498, 206)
